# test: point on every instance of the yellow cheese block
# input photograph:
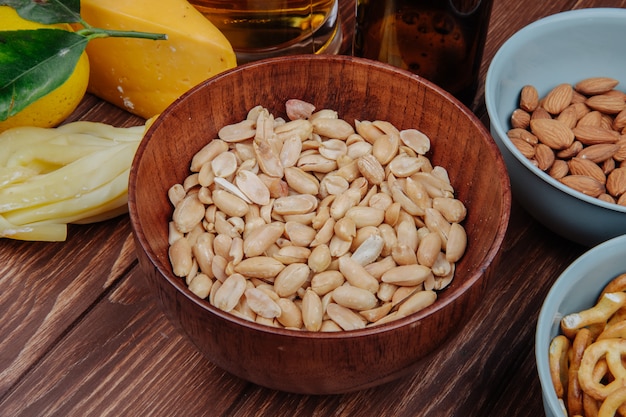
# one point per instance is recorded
(145, 76)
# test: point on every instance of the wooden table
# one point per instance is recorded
(81, 336)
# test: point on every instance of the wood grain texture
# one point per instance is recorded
(79, 335)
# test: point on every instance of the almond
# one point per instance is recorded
(616, 182)
(593, 118)
(558, 98)
(591, 135)
(552, 132)
(571, 151)
(540, 113)
(580, 166)
(520, 119)
(620, 120)
(584, 184)
(524, 135)
(524, 147)
(569, 116)
(529, 98)
(605, 103)
(600, 152)
(595, 85)
(544, 156)
(620, 155)
(559, 169)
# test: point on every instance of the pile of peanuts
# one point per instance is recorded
(588, 359)
(310, 223)
(575, 133)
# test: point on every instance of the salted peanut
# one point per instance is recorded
(218, 267)
(441, 267)
(407, 204)
(229, 203)
(298, 109)
(332, 127)
(261, 303)
(312, 311)
(207, 153)
(290, 151)
(378, 268)
(428, 249)
(441, 282)
(403, 255)
(261, 238)
(267, 158)
(453, 210)
(302, 129)
(290, 314)
(405, 165)
(252, 187)
(200, 285)
(295, 204)
(176, 193)
(406, 233)
(343, 202)
(416, 302)
(407, 275)
(229, 292)
(369, 250)
(357, 275)
(354, 298)
(368, 130)
(358, 149)
(326, 281)
(319, 259)
(235, 253)
(290, 278)
(188, 213)
(344, 317)
(292, 254)
(338, 246)
(314, 162)
(333, 184)
(364, 216)
(180, 256)
(386, 292)
(299, 234)
(457, 243)
(371, 169)
(376, 313)
(385, 148)
(435, 221)
(259, 267)
(416, 140)
(333, 148)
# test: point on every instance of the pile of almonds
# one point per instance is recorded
(577, 134)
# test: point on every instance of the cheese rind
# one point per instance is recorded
(145, 76)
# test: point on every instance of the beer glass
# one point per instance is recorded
(260, 29)
(440, 40)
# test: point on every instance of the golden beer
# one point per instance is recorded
(264, 28)
(440, 40)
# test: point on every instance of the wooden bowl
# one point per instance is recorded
(311, 362)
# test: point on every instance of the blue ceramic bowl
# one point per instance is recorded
(576, 289)
(565, 47)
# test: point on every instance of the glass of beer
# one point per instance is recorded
(259, 29)
(440, 40)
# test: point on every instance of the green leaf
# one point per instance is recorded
(31, 68)
(46, 11)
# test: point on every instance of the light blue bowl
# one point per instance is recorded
(565, 47)
(576, 289)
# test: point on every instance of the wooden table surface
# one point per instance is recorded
(81, 336)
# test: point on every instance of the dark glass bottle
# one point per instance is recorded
(440, 40)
